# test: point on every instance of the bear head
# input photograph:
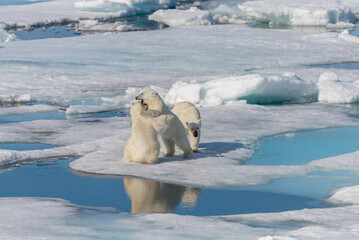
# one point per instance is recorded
(149, 97)
(194, 127)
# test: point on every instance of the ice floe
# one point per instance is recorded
(59, 219)
(330, 223)
(5, 36)
(344, 196)
(332, 90)
(174, 17)
(71, 70)
(26, 109)
(133, 6)
(302, 13)
(99, 143)
(252, 88)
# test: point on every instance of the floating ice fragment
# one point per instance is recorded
(299, 13)
(13, 98)
(254, 88)
(340, 25)
(227, 12)
(129, 6)
(345, 35)
(5, 36)
(175, 17)
(344, 196)
(332, 90)
(85, 109)
(26, 109)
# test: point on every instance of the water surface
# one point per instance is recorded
(20, 2)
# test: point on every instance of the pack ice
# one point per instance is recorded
(299, 13)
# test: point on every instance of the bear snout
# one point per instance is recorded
(195, 133)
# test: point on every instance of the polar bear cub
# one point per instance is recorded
(143, 145)
(171, 130)
(190, 117)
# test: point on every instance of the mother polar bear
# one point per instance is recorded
(172, 132)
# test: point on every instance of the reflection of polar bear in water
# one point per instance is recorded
(150, 196)
(143, 145)
(172, 131)
(191, 120)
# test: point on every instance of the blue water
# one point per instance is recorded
(31, 117)
(347, 66)
(20, 2)
(43, 33)
(54, 179)
(303, 147)
(25, 146)
(355, 32)
(56, 116)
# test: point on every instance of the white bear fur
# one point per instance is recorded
(169, 126)
(143, 145)
(190, 117)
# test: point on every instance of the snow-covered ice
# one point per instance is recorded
(301, 13)
(94, 139)
(59, 219)
(252, 88)
(161, 58)
(174, 17)
(344, 196)
(332, 90)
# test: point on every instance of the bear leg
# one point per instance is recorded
(183, 144)
(194, 141)
(169, 147)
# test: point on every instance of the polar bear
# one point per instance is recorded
(171, 130)
(190, 117)
(143, 145)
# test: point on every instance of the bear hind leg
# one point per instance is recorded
(184, 145)
(169, 147)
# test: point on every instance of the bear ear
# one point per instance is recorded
(187, 123)
(200, 121)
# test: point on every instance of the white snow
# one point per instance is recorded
(175, 18)
(96, 26)
(26, 109)
(346, 36)
(5, 36)
(135, 6)
(344, 196)
(332, 90)
(13, 98)
(44, 218)
(226, 12)
(71, 70)
(311, 224)
(41, 218)
(84, 109)
(340, 25)
(252, 88)
(64, 11)
(300, 13)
